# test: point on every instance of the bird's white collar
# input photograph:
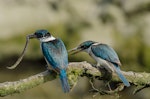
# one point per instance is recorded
(96, 43)
(51, 38)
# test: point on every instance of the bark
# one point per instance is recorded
(75, 70)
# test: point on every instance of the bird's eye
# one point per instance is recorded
(39, 35)
(47, 34)
(83, 46)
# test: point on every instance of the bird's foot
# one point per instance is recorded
(94, 65)
(48, 68)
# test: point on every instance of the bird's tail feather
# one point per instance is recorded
(64, 81)
(124, 80)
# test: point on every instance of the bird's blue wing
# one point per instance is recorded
(105, 52)
(55, 53)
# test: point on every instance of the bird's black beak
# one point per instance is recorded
(31, 36)
(75, 50)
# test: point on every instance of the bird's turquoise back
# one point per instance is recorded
(55, 53)
(105, 52)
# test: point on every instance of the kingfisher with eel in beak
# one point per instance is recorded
(54, 52)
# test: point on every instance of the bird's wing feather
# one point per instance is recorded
(56, 54)
(105, 52)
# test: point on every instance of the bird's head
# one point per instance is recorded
(42, 35)
(82, 47)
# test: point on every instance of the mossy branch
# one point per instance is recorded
(74, 70)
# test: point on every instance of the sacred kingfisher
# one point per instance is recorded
(55, 54)
(104, 56)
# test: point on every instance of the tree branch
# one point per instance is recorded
(74, 70)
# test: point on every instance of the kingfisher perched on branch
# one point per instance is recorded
(104, 55)
(55, 54)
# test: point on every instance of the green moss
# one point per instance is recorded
(73, 76)
(9, 90)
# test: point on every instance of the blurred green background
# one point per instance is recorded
(122, 24)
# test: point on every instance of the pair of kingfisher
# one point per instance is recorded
(56, 55)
